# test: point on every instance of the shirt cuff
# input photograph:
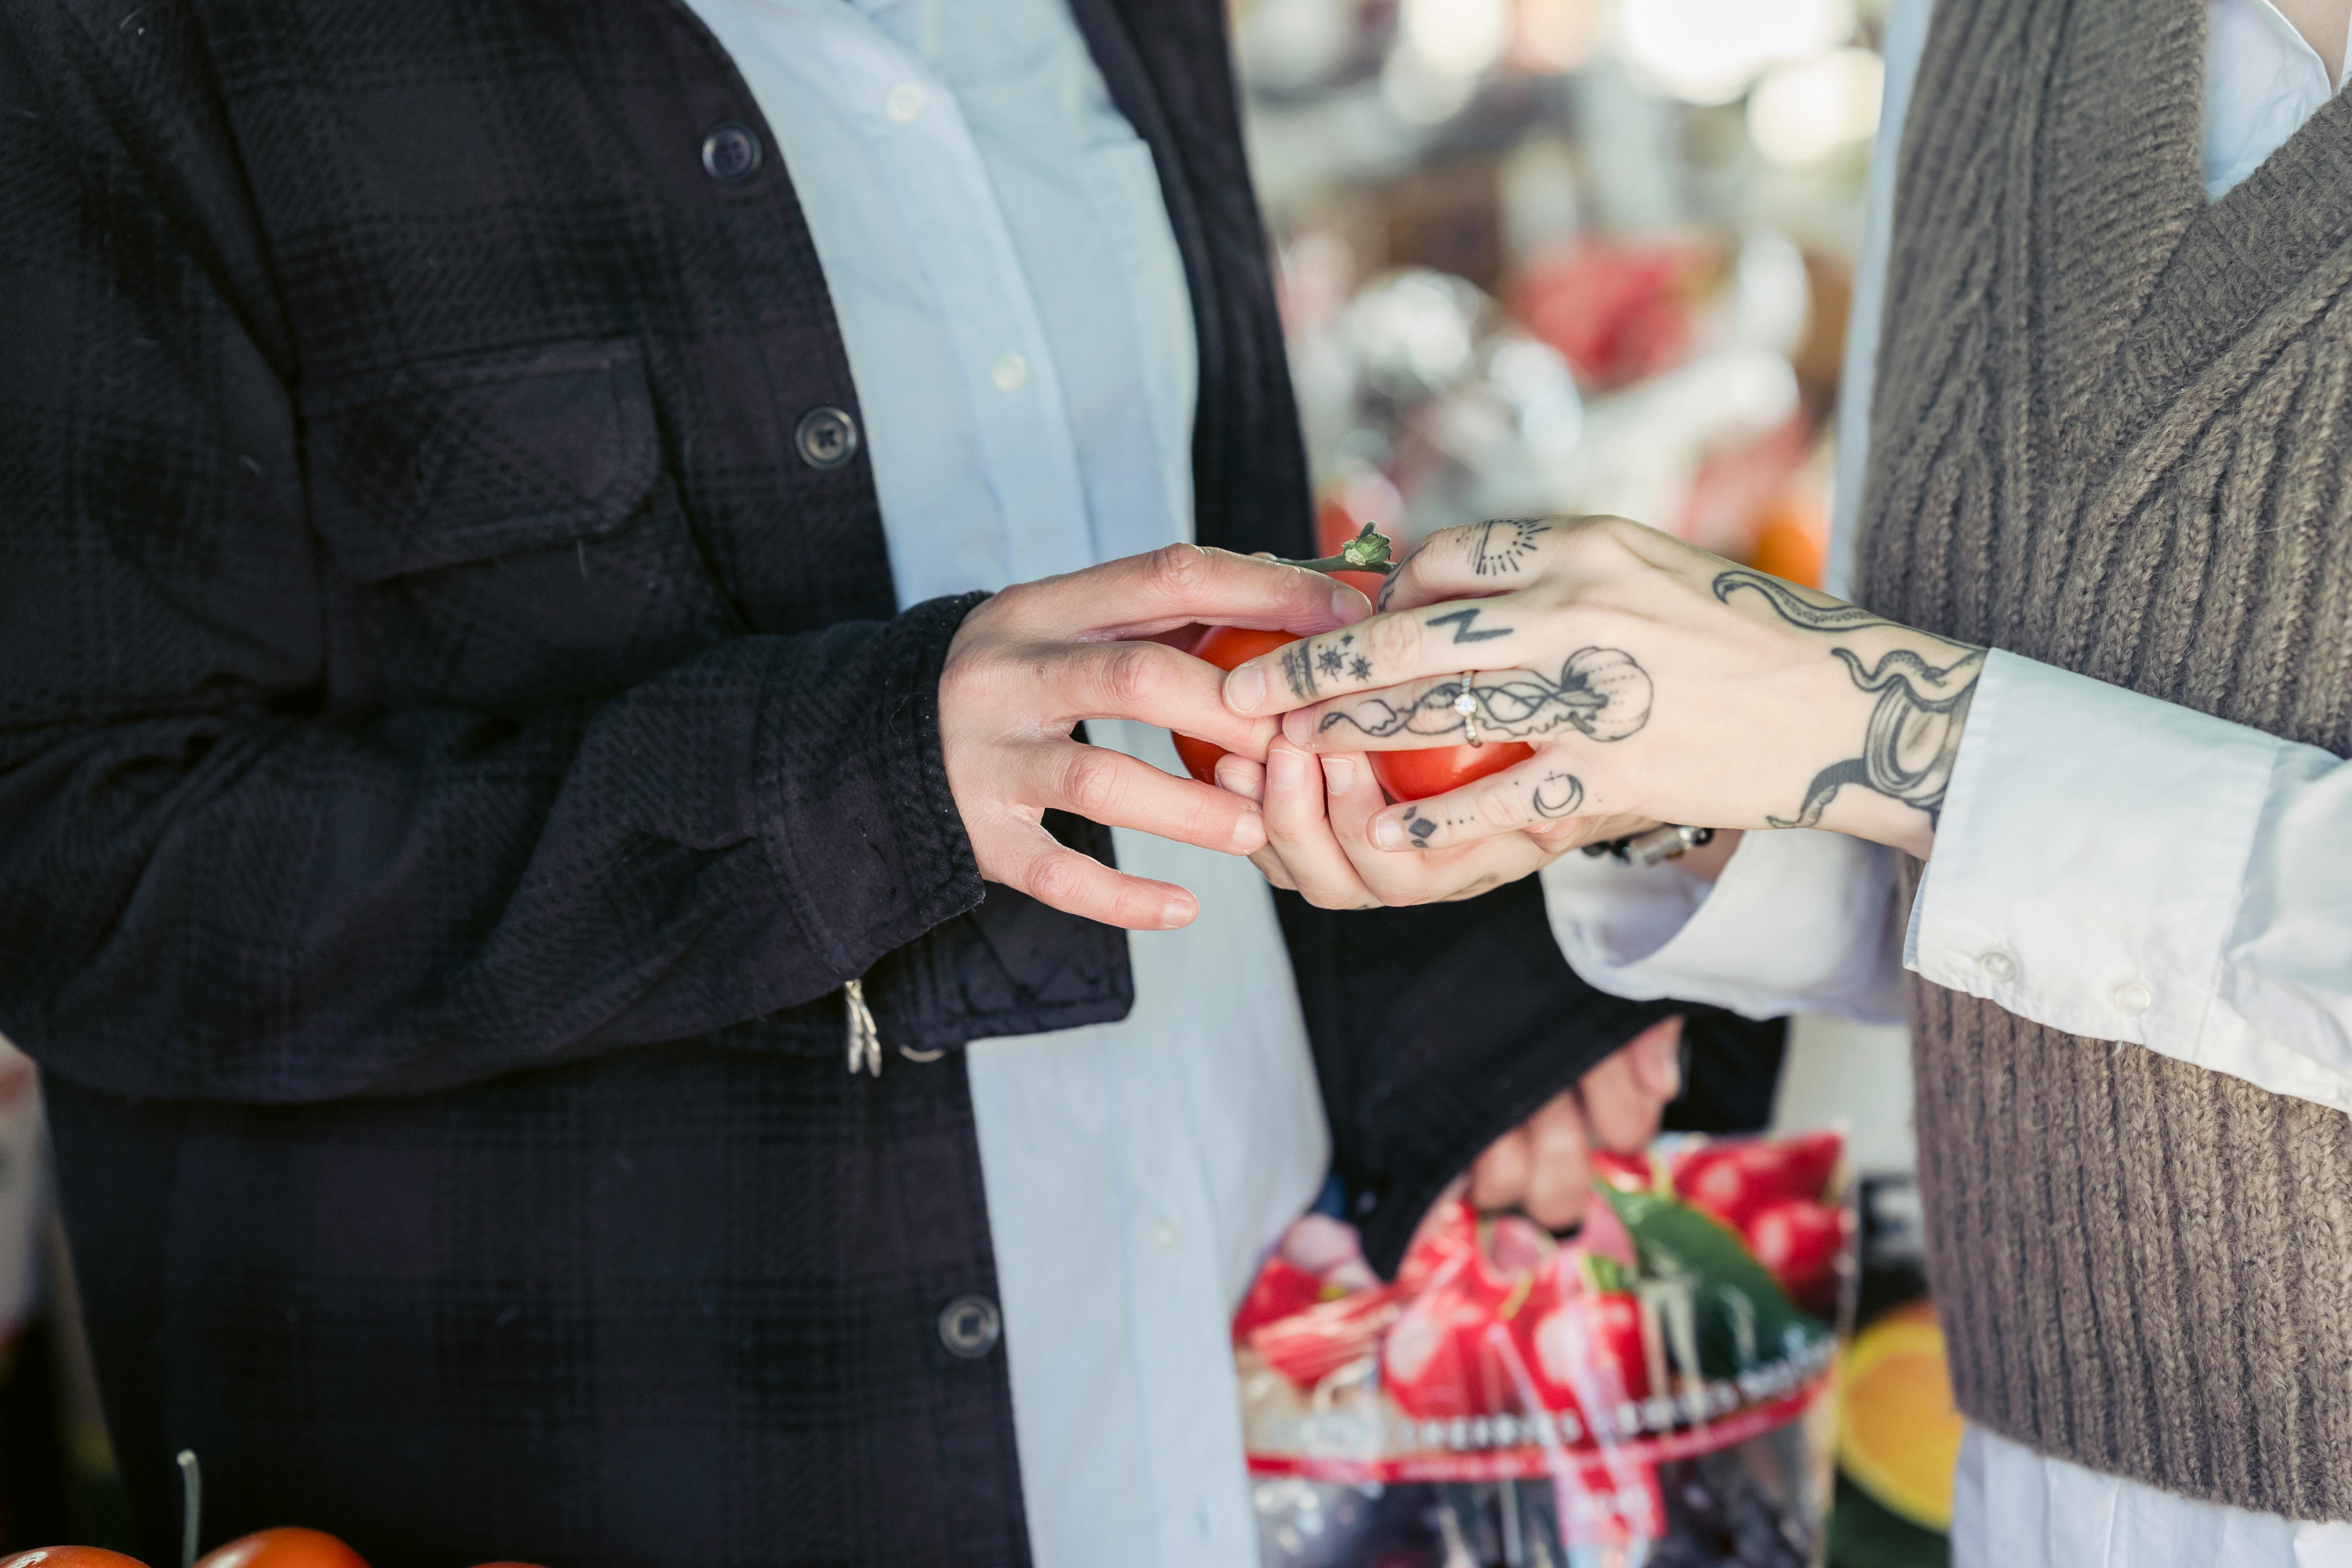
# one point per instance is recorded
(1799, 921)
(2090, 857)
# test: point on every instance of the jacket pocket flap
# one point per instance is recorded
(455, 460)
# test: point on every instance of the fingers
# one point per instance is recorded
(1141, 594)
(1298, 828)
(1144, 681)
(1498, 1178)
(1384, 651)
(1602, 693)
(1559, 1174)
(1539, 794)
(1056, 875)
(1478, 559)
(1115, 789)
(1626, 1093)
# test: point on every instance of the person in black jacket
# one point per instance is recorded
(464, 773)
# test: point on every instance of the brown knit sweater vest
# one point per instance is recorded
(2111, 433)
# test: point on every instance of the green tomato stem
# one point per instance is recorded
(1368, 551)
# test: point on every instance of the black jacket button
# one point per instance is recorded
(826, 437)
(970, 1326)
(732, 153)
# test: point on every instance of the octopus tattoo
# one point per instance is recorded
(1913, 734)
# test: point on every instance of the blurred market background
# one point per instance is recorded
(1536, 256)
(1586, 256)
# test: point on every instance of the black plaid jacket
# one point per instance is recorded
(454, 746)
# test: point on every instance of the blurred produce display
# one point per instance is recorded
(1648, 1393)
(1568, 256)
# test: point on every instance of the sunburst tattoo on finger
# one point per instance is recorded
(1503, 543)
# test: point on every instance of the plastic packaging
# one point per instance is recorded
(1650, 1393)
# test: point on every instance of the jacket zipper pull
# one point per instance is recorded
(864, 1039)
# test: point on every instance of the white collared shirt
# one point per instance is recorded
(2106, 863)
(1015, 314)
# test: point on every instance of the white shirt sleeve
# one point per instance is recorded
(2127, 870)
(1799, 921)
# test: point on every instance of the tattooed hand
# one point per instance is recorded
(1655, 681)
(1037, 659)
(1319, 814)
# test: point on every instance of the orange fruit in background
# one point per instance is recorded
(1790, 546)
(1898, 1432)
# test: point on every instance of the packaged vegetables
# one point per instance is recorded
(1651, 1374)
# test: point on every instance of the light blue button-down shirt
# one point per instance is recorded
(1016, 316)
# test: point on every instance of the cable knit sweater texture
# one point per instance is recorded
(2109, 435)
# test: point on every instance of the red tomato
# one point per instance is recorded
(1451, 1352)
(1607, 1327)
(287, 1546)
(1311, 1344)
(1799, 1241)
(1812, 1159)
(1417, 775)
(1437, 1363)
(1224, 646)
(70, 1557)
(1281, 1288)
(1368, 583)
(1406, 775)
(1734, 1180)
(1626, 1173)
(1445, 1232)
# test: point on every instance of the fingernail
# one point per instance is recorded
(1249, 831)
(1176, 912)
(1388, 833)
(1282, 768)
(1339, 774)
(1245, 690)
(1298, 726)
(1349, 605)
(1239, 778)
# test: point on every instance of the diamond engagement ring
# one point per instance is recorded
(1467, 706)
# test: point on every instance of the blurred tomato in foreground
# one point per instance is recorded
(1596, 1337)
(70, 1557)
(287, 1546)
(1799, 1242)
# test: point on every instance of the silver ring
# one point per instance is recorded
(1466, 705)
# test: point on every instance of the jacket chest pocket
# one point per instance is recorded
(507, 524)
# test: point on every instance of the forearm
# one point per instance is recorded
(234, 905)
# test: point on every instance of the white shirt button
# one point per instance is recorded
(1165, 1236)
(905, 103)
(1011, 373)
(2133, 997)
(1998, 966)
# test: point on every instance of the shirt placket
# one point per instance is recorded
(935, 175)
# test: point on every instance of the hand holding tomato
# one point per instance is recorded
(1032, 662)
